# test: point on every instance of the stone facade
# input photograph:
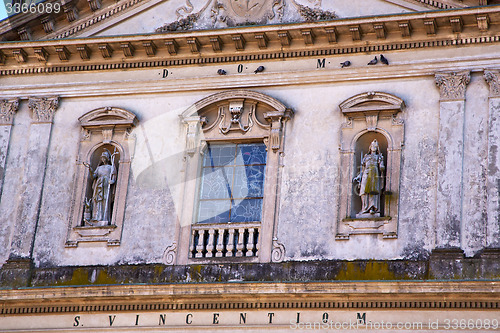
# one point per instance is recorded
(298, 78)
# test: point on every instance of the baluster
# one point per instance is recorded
(230, 243)
(239, 246)
(250, 243)
(193, 245)
(220, 244)
(211, 244)
(201, 243)
(257, 242)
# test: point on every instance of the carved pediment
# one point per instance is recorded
(108, 116)
(372, 102)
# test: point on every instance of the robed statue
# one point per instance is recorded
(371, 181)
(98, 208)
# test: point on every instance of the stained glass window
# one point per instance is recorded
(232, 185)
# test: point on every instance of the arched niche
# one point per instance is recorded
(231, 117)
(370, 116)
(103, 168)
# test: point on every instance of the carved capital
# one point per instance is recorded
(8, 107)
(493, 79)
(276, 118)
(43, 108)
(452, 85)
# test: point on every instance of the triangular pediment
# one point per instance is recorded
(78, 18)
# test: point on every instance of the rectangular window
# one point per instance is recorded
(232, 184)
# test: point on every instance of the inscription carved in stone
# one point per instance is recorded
(452, 85)
(43, 108)
(8, 107)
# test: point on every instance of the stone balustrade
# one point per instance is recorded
(225, 240)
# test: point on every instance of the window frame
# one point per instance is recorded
(263, 119)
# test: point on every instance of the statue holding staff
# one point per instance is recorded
(371, 181)
(102, 195)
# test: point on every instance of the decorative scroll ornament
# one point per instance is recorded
(278, 253)
(170, 254)
(236, 112)
(8, 107)
(493, 79)
(452, 85)
(43, 108)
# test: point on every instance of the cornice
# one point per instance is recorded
(400, 294)
(345, 36)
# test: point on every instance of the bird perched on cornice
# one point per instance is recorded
(259, 69)
(345, 64)
(221, 72)
(384, 60)
(373, 61)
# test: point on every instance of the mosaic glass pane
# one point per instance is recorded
(214, 211)
(247, 210)
(253, 153)
(217, 183)
(220, 155)
(232, 184)
(248, 181)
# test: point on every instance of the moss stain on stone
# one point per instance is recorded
(372, 270)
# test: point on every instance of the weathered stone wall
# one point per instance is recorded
(309, 194)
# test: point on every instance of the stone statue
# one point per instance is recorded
(102, 195)
(371, 181)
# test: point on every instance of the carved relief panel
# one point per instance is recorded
(103, 167)
(371, 144)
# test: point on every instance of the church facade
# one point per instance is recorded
(250, 165)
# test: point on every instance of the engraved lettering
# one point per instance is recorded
(270, 315)
(111, 320)
(321, 63)
(216, 319)
(77, 321)
(189, 319)
(161, 321)
(243, 318)
(361, 318)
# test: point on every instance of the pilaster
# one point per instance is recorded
(452, 86)
(493, 169)
(33, 174)
(8, 107)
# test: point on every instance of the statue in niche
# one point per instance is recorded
(371, 181)
(97, 210)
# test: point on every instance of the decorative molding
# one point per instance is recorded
(493, 79)
(430, 26)
(483, 22)
(24, 33)
(150, 48)
(170, 254)
(457, 24)
(314, 15)
(41, 54)
(308, 36)
(20, 55)
(262, 40)
(194, 45)
(172, 46)
(63, 53)
(43, 108)
(128, 49)
(94, 4)
(84, 51)
(380, 30)
(285, 38)
(48, 24)
(239, 42)
(356, 32)
(405, 28)
(452, 85)
(216, 43)
(278, 252)
(8, 108)
(106, 50)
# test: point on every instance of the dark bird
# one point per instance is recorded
(259, 69)
(373, 61)
(384, 60)
(221, 72)
(345, 64)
